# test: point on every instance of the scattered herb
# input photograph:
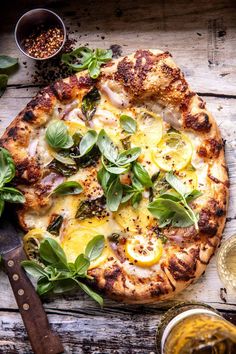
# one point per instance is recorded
(63, 156)
(88, 59)
(128, 124)
(68, 188)
(90, 102)
(107, 147)
(6, 64)
(114, 195)
(87, 142)
(57, 135)
(55, 225)
(90, 208)
(57, 275)
(62, 169)
(142, 174)
(172, 207)
(7, 173)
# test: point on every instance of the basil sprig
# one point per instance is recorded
(128, 124)
(6, 64)
(87, 59)
(172, 207)
(7, 173)
(57, 135)
(68, 188)
(90, 102)
(57, 275)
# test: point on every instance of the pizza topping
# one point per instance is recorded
(173, 152)
(55, 224)
(173, 207)
(31, 242)
(128, 124)
(91, 208)
(68, 188)
(143, 251)
(88, 59)
(62, 169)
(57, 135)
(90, 103)
(115, 94)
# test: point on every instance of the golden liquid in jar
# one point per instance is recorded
(230, 261)
(226, 262)
(201, 334)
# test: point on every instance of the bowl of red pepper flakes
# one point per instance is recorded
(40, 34)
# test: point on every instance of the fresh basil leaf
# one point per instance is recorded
(62, 169)
(114, 195)
(55, 225)
(63, 157)
(172, 195)
(103, 55)
(114, 169)
(176, 183)
(142, 174)
(103, 177)
(91, 293)
(95, 247)
(136, 185)
(82, 54)
(2, 204)
(7, 167)
(44, 286)
(194, 194)
(128, 156)
(94, 68)
(91, 208)
(3, 83)
(161, 207)
(63, 286)
(57, 135)
(136, 199)
(107, 147)
(90, 102)
(128, 124)
(68, 188)
(82, 264)
(127, 197)
(33, 268)
(7, 62)
(51, 252)
(11, 195)
(87, 142)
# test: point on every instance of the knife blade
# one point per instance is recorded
(43, 340)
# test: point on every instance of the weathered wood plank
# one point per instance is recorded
(201, 35)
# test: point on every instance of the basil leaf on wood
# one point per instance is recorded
(68, 188)
(91, 293)
(128, 124)
(3, 83)
(33, 268)
(90, 102)
(44, 286)
(142, 174)
(107, 147)
(95, 247)
(55, 225)
(7, 62)
(128, 156)
(57, 135)
(51, 252)
(11, 195)
(7, 167)
(114, 195)
(87, 142)
(2, 204)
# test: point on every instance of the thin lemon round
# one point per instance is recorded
(74, 127)
(32, 240)
(149, 130)
(143, 251)
(174, 152)
(75, 243)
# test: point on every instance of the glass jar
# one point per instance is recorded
(194, 328)
(226, 263)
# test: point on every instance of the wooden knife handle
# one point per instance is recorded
(43, 340)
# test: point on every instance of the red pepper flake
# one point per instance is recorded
(44, 42)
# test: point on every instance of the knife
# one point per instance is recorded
(43, 340)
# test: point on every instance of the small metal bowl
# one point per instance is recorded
(30, 20)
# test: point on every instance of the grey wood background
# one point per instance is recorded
(201, 35)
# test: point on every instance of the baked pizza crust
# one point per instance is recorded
(145, 76)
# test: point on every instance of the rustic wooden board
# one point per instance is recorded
(201, 35)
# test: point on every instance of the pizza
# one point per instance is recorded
(149, 159)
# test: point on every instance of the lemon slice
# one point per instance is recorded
(75, 243)
(149, 130)
(189, 179)
(173, 152)
(74, 127)
(31, 242)
(143, 251)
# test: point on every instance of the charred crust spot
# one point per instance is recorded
(186, 101)
(208, 222)
(12, 132)
(111, 275)
(27, 172)
(199, 122)
(85, 82)
(28, 116)
(217, 181)
(182, 270)
(159, 290)
(211, 149)
(62, 90)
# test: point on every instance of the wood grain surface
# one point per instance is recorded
(201, 35)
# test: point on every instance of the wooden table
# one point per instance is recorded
(201, 35)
